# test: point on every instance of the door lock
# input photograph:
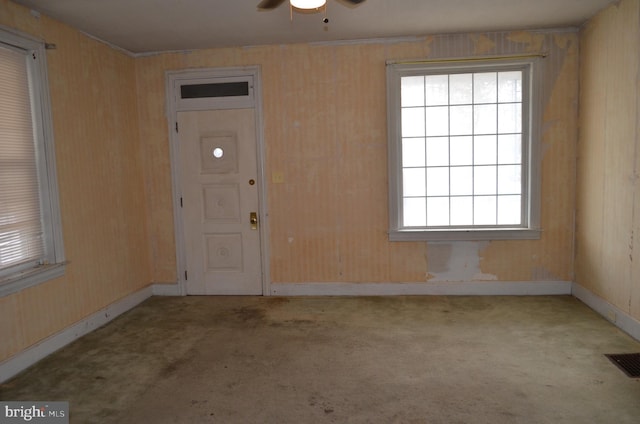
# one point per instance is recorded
(253, 220)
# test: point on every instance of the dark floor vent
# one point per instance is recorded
(629, 363)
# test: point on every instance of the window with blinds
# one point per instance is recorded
(30, 236)
(21, 239)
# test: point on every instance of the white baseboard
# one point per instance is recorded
(464, 288)
(166, 289)
(611, 313)
(624, 321)
(21, 361)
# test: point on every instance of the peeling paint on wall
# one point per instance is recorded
(457, 261)
(483, 44)
(325, 131)
(534, 42)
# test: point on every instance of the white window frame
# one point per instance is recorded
(52, 263)
(530, 229)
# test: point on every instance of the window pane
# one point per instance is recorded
(484, 210)
(413, 182)
(509, 210)
(412, 91)
(413, 122)
(413, 152)
(509, 179)
(220, 89)
(415, 212)
(437, 181)
(484, 119)
(509, 149)
(437, 211)
(461, 120)
(461, 89)
(437, 151)
(485, 150)
(437, 89)
(510, 118)
(437, 121)
(461, 211)
(485, 88)
(464, 141)
(461, 181)
(461, 150)
(510, 87)
(484, 180)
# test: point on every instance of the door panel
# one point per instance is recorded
(219, 194)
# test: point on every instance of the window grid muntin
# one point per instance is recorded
(524, 86)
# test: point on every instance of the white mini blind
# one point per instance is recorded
(21, 234)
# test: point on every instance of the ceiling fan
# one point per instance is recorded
(300, 4)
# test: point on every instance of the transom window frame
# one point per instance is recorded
(530, 227)
(52, 262)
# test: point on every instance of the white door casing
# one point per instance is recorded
(217, 250)
(220, 201)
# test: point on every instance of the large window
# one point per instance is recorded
(462, 150)
(30, 238)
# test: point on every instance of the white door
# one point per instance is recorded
(219, 186)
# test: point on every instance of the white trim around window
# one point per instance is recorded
(463, 149)
(21, 268)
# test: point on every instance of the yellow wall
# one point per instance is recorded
(325, 132)
(608, 190)
(94, 107)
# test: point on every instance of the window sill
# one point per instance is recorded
(465, 235)
(29, 278)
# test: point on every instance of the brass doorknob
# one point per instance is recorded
(253, 220)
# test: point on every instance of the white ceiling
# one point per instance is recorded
(142, 26)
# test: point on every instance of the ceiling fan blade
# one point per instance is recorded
(269, 4)
(354, 1)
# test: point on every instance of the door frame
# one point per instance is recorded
(173, 80)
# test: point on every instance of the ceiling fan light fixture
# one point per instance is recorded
(307, 4)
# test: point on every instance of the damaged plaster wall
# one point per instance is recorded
(459, 261)
(326, 161)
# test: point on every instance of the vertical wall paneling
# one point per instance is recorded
(607, 207)
(100, 178)
(325, 138)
